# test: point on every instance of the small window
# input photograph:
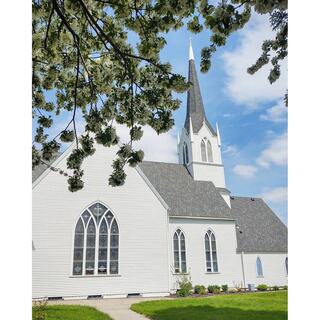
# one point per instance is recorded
(179, 252)
(203, 151)
(209, 149)
(259, 267)
(286, 264)
(186, 152)
(211, 252)
(183, 154)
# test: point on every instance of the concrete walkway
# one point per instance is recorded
(117, 309)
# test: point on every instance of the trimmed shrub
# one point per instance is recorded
(224, 288)
(183, 292)
(262, 287)
(275, 288)
(199, 289)
(185, 286)
(214, 289)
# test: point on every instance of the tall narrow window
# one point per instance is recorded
(203, 151)
(286, 264)
(211, 252)
(184, 154)
(259, 267)
(96, 242)
(209, 149)
(187, 155)
(179, 252)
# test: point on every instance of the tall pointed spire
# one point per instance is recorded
(195, 109)
(191, 56)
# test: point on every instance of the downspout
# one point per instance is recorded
(243, 273)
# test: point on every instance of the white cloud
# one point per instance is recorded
(245, 171)
(276, 114)
(252, 89)
(161, 147)
(276, 153)
(231, 150)
(276, 195)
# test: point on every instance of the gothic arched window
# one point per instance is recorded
(286, 264)
(96, 242)
(179, 252)
(209, 151)
(259, 267)
(211, 252)
(203, 151)
(183, 154)
(186, 153)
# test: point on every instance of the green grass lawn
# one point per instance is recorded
(73, 312)
(253, 306)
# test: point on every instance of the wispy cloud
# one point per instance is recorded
(276, 195)
(276, 153)
(245, 171)
(231, 150)
(276, 114)
(252, 89)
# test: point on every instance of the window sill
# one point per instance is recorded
(260, 276)
(180, 273)
(96, 276)
(212, 272)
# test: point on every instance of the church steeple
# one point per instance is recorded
(199, 145)
(195, 108)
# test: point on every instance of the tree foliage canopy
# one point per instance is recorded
(81, 52)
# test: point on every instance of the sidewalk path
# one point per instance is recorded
(117, 309)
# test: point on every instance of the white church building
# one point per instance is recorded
(167, 219)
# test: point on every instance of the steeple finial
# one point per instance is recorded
(191, 56)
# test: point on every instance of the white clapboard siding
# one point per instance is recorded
(229, 263)
(273, 266)
(142, 223)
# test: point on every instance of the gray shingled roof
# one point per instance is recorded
(183, 195)
(38, 170)
(195, 108)
(262, 230)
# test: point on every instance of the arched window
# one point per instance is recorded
(203, 151)
(179, 252)
(286, 264)
(209, 151)
(183, 154)
(186, 151)
(96, 242)
(211, 252)
(259, 267)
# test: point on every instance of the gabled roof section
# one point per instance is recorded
(183, 195)
(195, 108)
(38, 170)
(259, 229)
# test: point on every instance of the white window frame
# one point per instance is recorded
(179, 251)
(286, 265)
(210, 247)
(96, 258)
(205, 141)
(257, 273)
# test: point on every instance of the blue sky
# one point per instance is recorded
(249, 111)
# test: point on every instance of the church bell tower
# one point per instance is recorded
(199, 145)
